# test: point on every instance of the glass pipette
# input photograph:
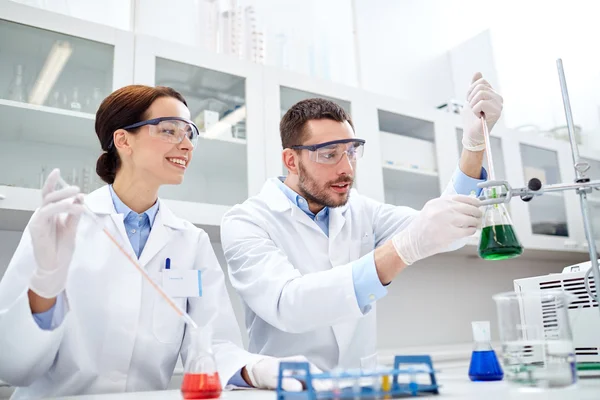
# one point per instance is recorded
(488, 147)
(186, 317)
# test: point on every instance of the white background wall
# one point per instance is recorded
(404, 45)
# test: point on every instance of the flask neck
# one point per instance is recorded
(482, 346)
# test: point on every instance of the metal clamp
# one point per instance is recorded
(534, 188)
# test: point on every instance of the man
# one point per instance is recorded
(310, 257)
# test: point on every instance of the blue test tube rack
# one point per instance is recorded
(301, 371)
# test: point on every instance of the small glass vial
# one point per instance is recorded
(201, 378)
(484, 363)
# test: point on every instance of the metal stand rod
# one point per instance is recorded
(580, 177)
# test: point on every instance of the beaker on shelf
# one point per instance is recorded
(201, 378)
(498, 237)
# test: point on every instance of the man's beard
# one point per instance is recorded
(311, 191)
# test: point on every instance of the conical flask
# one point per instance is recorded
(498, 238)
(201, 378)
(484, 364)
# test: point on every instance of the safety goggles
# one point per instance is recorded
(170, 129)
(332, 152)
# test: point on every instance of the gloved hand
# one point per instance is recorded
(53, 236)
(481, 97)
(264, 373)
(441, 222)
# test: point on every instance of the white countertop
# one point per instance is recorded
(455, 384)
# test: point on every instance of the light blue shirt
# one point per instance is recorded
(367, 286)
(137, 226)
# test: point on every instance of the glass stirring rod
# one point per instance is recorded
(186, 317)
(488, 147)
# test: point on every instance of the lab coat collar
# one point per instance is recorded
(100, 202)
(274, 197)
(278, 201)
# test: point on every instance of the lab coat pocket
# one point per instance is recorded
(368, 362)
(167, 326)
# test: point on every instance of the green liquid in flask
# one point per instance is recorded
(499, 242)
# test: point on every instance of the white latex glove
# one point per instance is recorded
(481, 97)
(441, 222)
(53, 236)
(264, 374)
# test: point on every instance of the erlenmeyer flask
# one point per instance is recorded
(484, 364)
(201, 378)
(498, 238)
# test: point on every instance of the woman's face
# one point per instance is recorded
(154, 158)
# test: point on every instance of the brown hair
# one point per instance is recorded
(123, 107)
(292, 124)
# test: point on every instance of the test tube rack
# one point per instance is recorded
(419, 365)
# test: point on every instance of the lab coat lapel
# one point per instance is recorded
(162, 230)
(278, 201)
(100, 202)
(339, 254)
(337, 220)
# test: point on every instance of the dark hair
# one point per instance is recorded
(123, 107)
(292, 124)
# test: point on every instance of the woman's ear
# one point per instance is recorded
(121, 141)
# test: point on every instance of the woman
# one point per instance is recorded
(75, 315)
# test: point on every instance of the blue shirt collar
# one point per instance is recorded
(121, 208)
(298, 200)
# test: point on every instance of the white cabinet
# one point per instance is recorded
(54, 71)
(550, 221)
(408, 153)
(224, 98)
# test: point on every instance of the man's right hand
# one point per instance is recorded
(441, 222)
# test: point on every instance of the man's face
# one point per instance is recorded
(326, 184)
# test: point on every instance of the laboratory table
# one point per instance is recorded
(454, 386)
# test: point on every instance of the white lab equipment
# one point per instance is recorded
(583, 311)
(111, 331)
(273, 251)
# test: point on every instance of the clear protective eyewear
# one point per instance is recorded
(170, 129)
(332, 152)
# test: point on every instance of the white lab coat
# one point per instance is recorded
(118, 335)
(296, 283)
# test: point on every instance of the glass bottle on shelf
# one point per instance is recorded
(75, 105)
(16, 92)
(92, 102)
(96, 99)
(54, 99)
